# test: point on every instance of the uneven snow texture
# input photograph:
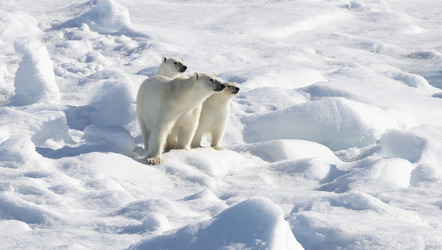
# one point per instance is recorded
(334, 140)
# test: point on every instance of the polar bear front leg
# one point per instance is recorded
(217, 137)
(188, 126)
(157, 141)
(185, 138)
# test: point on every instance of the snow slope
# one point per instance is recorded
(334, 140)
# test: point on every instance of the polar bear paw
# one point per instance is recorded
(154, 160)
(217, 148)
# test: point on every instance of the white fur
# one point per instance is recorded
(171, 67)
(185, 125)
(161, 101)
(214, 116)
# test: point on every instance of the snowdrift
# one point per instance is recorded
(335, 122)
(34, 79)
(256, 223)
(105, 17)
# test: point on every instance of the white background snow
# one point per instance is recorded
(334, 141)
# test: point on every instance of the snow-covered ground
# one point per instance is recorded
(334, 141)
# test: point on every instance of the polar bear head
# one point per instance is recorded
(231, 88)
(209, 82)
(171, 67)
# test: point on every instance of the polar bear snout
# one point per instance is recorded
(235, 90)
(182, 68)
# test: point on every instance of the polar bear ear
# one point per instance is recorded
(164, 59)
(196, 75)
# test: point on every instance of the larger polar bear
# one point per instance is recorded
(161, 101)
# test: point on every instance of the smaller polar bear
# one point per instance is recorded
(214, 116)
(161, 101)
(171, 67)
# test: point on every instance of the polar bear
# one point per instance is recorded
(161, 101)
(214, 116)
(171, 67)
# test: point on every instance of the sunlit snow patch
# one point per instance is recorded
(17, 24)
(337, 123)
(106, 17)
(256, 223)
(34, 79)
(13, 227)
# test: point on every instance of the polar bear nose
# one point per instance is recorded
(235, 90)
(183, 68)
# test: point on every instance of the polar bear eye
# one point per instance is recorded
(175, 63)
(211, 80)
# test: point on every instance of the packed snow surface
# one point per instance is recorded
(334, 140)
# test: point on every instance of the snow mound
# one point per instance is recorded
(8, 227)
(327, 89)
(110, 139)
(43, 127)
(373, 175)
(16, 24)
(152, 222)
(280, 150)
(206, 171)
(310, 222)
(421, 144)
(108, 101)
(15, 208)
(412, 80)
(256, 223)
(111, 101)
(106, 17)
(154, 215)
(337, 123)
(34, 79)
(360, 201)
(18, 152)
(309, 169)
(141, 209)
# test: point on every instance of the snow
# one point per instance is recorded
(34, 79)
(334, 140)
(255, 223)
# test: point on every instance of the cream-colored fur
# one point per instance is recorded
(171, 67)
(161, 101)
(214, 116)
